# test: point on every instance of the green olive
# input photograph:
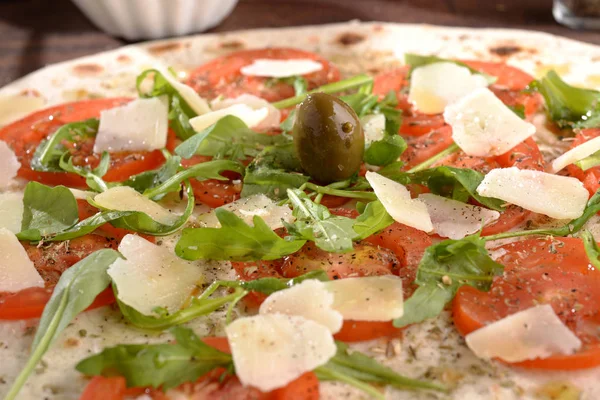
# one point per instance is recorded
(328, 137)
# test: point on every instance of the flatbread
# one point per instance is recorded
(432, 349)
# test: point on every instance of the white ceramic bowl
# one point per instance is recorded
(153, 19)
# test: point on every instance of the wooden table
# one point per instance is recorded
(34, 33)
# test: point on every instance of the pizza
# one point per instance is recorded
(345, 211)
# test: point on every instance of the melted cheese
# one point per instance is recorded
(372, 298)
(246, 208)
(309, 299)
(141, 124)
(576, 154)
(11, 211)
(397, 202)
(124, 198)
(270, 121)
(536, 332)
(454, 219)
(151, 276)
(434, 86)
(271, 350)
(270, 68)
(559, 197)
(17, 272)
(483, 126)
(9, 165)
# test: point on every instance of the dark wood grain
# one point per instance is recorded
(34, 33)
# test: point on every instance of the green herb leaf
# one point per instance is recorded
(444, 268)
(568, 104)
(275, 170)
(591, 248)
(298, 82)
(228, 138)
(456, 183)
(272, 285)
(151, 179)
(385, 151)
(416, 61)
(179, 111)
(93, 177)
(158, 365)
(360, 371)
(373, 219)
(314, 222)
(47, 210)
(590, 161)
(519, 110)
(234, 241)
(49, 152)
(75, 291)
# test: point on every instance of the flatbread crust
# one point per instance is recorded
(432, 349)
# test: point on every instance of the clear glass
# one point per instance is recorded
(577, 14)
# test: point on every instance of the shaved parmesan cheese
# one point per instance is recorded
(559, 197)
(270, 68)
(309, 299)
(251, 117)
(82, 194)
(141, 124)
(17, 272)
(372, 298)
(191, 97)
(9, 165)
(434, 86)
(124, 198)
(374, 127)
(575, 154)
(152, 276)
(11, 211)
(454, 219)
(533, 333)
(397, 202)
(272, 119)
(483, 126)
(271, 350)
(246, 208)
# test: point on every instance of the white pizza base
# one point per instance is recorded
(431, 350)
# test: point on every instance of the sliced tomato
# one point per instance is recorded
(102, 388)
(24, 135)
(360, 331)
(590, 177)
(508, 77)
(393, 80)
(215, 193)
(423, 147)
(222, 76)
(553, 271)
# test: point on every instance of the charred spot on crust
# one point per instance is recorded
(88, 69)
(350, 38)
(505, 51)
(164, 48)
(124, 58)
(232, 45)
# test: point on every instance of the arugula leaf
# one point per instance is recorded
(49, 152)
(373, 219)
(84, 227)
(568, 105)
(93, 177)
(298, 82)
(158, 365)
(443, 269)
(180, 112)
(75, 291)
(590, 161)
(314, 222)
(519, 110)
(271, 285)
(288, 124)
(47, 210)
(456, 183)
(360, 370)
(150, 179)
(198, 307)
(416, 61)
(228, 137)
(591, 248)
(385, 151)
(275, 170)
(234, 241)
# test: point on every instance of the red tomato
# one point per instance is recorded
(359, 331)
(508, 77)
(222, 76)
(216, 385)
(421, 148)
(553, 271)
(591, 177)
(24, 135)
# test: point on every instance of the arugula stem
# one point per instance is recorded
(241, 295)
(319, 198)
(365, 387)
(334, 87)
(341, 193)
(453, 148)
